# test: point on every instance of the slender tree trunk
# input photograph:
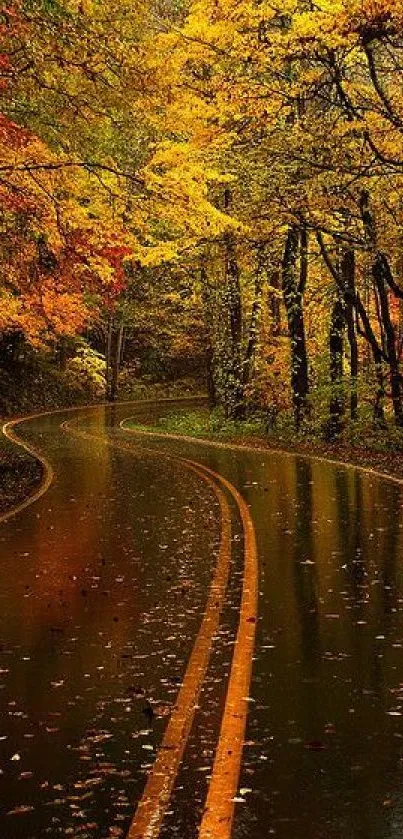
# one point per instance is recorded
(254, 319)
(379, 412)
(233, 387)
(209, 328)
(274, 303)
(363, 327)
(336, 348)
(116, 363)
(383, 281)
(348, 278)
(390, 340)
(108, 356)
(123, 350)
(293, 286)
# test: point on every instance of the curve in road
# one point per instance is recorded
(219, 810)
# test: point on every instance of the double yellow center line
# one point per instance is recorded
(218, 813)
(220, 804)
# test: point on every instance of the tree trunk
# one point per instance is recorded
(379, 413)
(209, 330)
(362, 326)
(108, 357)
(253, 335)
(348, 278)
(390, 339)
(232, 372)
(293, 301)
(383, 281)
(336, 348)
(274, 304)
(116, 363)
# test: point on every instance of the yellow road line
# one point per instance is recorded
(48, 472)
(218, 814)
(47, 476)
(219, 810)
(155, 799)
(153, 804)
(268, 450)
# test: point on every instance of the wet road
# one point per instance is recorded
(103, 586)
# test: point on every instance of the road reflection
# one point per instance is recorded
(102, 588)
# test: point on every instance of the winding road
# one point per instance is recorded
(198, 640)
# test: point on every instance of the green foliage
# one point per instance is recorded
(147, 388)
(208, 424)
(212, 425)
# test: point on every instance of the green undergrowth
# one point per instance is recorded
(203, 423)
(212, 424)
(147, 388)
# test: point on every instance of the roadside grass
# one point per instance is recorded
(211, 424)
(202, 423)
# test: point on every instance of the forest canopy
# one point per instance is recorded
(213, 187)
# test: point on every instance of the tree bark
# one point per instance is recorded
(113, 355)
(383, 282)
(209, 329)
(363, 327)
(293, 287)
(336, 348)
(347, 268)
(274, 303)
(108, 356)
(253, 335)
(378, 272)
(116, 363)
(232, 372)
